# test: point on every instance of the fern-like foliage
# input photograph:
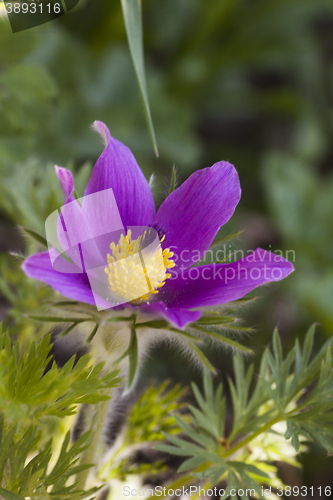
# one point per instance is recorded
(154, 413)
(34, 392)
(28, 391)
(292, 401)
(24, 473)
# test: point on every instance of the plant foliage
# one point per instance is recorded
(25, 473)
(291, 396)
(31, 387)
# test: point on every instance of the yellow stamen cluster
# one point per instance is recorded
(134, 273)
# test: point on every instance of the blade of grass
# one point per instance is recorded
(133, 24)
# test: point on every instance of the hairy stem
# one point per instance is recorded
(96, 430)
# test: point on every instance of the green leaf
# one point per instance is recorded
(308, 343)
(133, 24)
(226, 238)
(8, 495)
(222, 338)
(56, 319)
(93, 333)
(255, 413)
(185, 334)
(29, 392)
(173, 180)
(117, 319)
(40, 239)
(192, 463)
(158, 323)
(198, 352)
(69, 329)
(250, 483)
(154, 413)
(292, 433)
(182, 447)
(216, 473)
(277, 348)
(65, 303)
(24, 471)
(193, 434)
(210, 418)
(214, 320)
(172, 450)
(252, 469)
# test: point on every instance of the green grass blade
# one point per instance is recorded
(133, 25)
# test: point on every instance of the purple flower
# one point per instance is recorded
(186, 222)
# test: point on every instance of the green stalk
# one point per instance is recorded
(95, 439)
(279, 418)
(249, 438)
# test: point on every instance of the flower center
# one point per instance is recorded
(135, 272)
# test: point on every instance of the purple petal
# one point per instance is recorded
(117, 168)
(215, 284)
(103, 131)
(178, 317)
(191, 215)
(66, 181)
(72, 286)
(91, 226)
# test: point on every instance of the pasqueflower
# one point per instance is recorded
(186, 223)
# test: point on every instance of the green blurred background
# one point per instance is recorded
(248, 81)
